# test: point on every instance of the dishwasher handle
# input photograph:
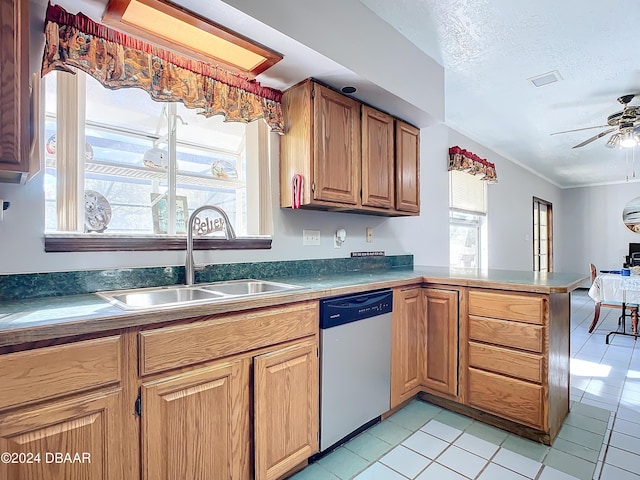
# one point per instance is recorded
(351, 308)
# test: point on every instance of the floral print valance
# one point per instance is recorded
(464, 161)
(118, 60)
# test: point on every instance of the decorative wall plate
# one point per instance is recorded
(97, 212)
(224, 170)
(51, 148)
(156, 159)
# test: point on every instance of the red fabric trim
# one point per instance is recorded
(470, 155)
(57, 14)
(462, 160)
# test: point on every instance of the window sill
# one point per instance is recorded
(69, 242)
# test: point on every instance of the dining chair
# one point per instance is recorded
(633, 308)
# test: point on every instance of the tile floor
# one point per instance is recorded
(600, 439)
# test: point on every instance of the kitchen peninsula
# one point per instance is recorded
(76, 370)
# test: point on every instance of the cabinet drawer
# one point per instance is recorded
(507, 397)
(506, 333)
(508, 362)
(181, 345)
(521, 308)
(51, 372)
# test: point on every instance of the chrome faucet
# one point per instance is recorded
(229, 233)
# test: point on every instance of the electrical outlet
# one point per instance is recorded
(310, 237)
(369, 235)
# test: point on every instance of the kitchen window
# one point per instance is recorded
(145, 165)
(467, 220)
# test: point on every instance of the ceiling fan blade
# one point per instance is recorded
(595, 137)
(578, 129)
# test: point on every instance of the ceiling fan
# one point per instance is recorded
(626, 122)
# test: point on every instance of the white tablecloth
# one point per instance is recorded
(611, 287)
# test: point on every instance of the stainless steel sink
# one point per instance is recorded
(158, 297)
(247, 287)
(181, 295)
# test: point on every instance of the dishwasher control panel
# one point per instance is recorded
(340, 310)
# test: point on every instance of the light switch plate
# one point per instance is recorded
(310, 237)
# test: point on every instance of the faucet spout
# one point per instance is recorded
(229, 233)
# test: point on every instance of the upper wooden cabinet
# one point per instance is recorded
(336, 151)
(377, 159)
(15, 122)
(347, 154)
(407, 167)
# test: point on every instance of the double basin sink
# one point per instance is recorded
(183, 295)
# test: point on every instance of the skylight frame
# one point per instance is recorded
(116, 9)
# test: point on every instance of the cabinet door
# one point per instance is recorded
(377, 159)
(336, 150)
(407, 167)
(14, 85)
(195, 425)
(285, 408)
(78, 439)
(441, 340)
(407, 347)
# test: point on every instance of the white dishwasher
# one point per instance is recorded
(355, 364)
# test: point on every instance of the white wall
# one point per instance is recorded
(22, 243)
(347, 32)
(510, 214)
(427, 236)
(411, 76)
(593, 231)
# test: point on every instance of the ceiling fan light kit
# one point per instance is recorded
(626, 122)
(628, 139)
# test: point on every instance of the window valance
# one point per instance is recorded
(464, 161)
(118, 60)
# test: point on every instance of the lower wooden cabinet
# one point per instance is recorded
(441, 340)
(407, 347)
(518, 358)
(285, 408)
(424, 351)
(196, 424)
(112, 408)
(496, 355)
(76, 439)
(507, 397)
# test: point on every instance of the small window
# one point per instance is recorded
(467, 214)
(139, 154)
(464, 240)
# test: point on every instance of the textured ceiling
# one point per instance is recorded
(489, 48)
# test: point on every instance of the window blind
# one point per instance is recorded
(467, 193)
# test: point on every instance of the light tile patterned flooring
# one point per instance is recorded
(600, 439)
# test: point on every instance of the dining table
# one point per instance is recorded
(619, 289)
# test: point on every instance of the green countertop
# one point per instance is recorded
(39, 319)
